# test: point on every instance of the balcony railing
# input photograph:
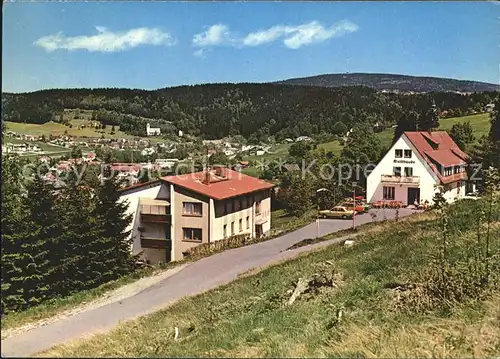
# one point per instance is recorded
(400, 179)
(156, 243)
(156, 218)
(261, 217)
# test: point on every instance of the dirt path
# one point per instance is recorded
(196, 278)
(113, 296)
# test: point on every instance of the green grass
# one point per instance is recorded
(333, 146)
(47, 147)
(59, 129)
(252, 171)
(281, 224)
(276, 152)
(250, 318)
(480, 124)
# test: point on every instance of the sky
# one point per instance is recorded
(151, 45)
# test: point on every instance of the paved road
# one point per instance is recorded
(198, 277)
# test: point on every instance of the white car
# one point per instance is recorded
(471, 195)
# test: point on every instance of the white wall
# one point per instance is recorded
(451, 193)
(217, 223)
(428, 180)
(133, 196)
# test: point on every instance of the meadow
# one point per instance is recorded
(355, 304)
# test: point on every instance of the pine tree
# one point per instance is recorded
(111, 221)
(493, 158)
(14, 230)
(429, 119)
(407, 122)
(43, 230)
(73, 208)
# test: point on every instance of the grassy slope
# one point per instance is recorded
(480, 124)
(59, 129)
(248, 318)
(58, 305)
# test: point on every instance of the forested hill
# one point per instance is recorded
(255, 111)
(390, 82)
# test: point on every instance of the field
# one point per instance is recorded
(480, 124)
(351, 309)
(60, 129)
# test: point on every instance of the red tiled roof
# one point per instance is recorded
(234, 183)
(438, 147)
(445, 158)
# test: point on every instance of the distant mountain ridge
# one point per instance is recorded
(393, 83)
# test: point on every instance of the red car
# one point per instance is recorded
(356, 207)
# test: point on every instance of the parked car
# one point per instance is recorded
(354, 207)
(471, 195)
(337, 212)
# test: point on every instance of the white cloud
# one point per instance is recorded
(293, 37)
(298, 36)
(217, 34)
(199, 52)
(264, 36)
(106, 41)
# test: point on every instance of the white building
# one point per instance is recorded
(415, 166)
(176, 213)
(148, 151)
(303, 138)
(152, 131)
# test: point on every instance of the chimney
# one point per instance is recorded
(218, 171)
(206, 176)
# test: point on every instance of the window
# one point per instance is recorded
(248, 222)
(244, 203)
(257, 207)
(389, 193)
(232, 228)
(241, 225)
(229, 207)
(448, 171)
(408, 171)
(191, 209)
(407, 153)
(192, 234)
(236, 205)
(399, 153)
(458, 169)
(224, 231)
(396, 171)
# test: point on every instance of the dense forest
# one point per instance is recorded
(58, 242)
(390, 82)
(255, 111)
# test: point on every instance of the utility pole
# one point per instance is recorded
(354, 205)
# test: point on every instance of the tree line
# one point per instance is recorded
(255, 111)
(56, 242)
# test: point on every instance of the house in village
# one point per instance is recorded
(303, 138)
(415, 165)
(152, 131)
(489, 107)
(176, 213)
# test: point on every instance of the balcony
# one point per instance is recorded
(156, 218)
(261, 217)
(154, 211)
(400, 179)
(156, 243)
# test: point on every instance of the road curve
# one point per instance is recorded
(195, 278)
